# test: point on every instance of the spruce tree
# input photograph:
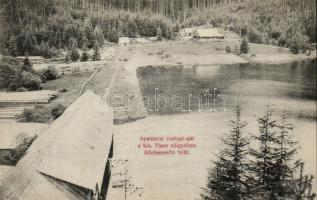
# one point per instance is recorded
(285, 152)
(229, 179)
(265, 157)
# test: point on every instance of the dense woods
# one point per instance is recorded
(42, 27)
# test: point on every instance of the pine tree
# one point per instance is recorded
(229, 179)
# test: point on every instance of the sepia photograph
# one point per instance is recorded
(158, 100)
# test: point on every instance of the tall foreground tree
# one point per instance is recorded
(264, 156)
(285, 151)
(275, 159)
(267, 172)
(229, 179)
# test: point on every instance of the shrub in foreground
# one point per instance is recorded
(38, 114)
(31, 81)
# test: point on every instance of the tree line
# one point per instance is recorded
(169, 8)
(30, 24)
(69, 28)
(266, 170)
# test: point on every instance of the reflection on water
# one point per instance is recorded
(292, 86)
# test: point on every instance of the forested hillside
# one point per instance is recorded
(37, 26)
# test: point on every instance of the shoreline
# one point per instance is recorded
(278, 58)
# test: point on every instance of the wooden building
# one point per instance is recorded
(69, 160)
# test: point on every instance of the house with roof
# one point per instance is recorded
(209, 34)
(70, 158)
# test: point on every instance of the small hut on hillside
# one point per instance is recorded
(209, 34)
(69, 160)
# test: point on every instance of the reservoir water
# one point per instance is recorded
(174, 89)
(174, 94)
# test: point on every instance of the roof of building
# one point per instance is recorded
(10, 131)
(72, 151)
(210, 32)
(123, 40)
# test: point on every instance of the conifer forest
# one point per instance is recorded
(36, 26)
